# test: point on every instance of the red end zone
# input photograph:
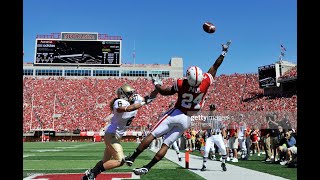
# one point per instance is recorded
(103, 176)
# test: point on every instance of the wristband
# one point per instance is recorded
(143, 103)
(223, 53)
(149, 99)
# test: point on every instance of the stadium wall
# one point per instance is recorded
(75, 137)
(132, 71)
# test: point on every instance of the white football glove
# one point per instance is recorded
(225, 48)
(156, 80)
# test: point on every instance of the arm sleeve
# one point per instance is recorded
(138, 98)
(209, 78)
(177, 85)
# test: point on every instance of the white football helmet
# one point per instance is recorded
(194, 76)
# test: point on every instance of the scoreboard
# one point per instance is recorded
(267, 76)
(77, 52)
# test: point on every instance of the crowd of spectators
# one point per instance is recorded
(84, 103)
(292, 73)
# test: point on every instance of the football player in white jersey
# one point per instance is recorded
(217, 133)
(191, 92)
(124, 109)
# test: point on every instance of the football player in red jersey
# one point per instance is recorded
(191, 92)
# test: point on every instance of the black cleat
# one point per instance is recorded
(204, 168)
(224, 168)
(88, 175)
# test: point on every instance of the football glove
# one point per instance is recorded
(225, 48)
(156, 80)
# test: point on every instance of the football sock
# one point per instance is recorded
(135, 154)
(205, 160)
(152, 163)
(224, 157)
(98, 168)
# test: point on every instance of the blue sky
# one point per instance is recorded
(173, 28)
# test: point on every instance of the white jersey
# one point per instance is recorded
(217, 125)
(121, 121)
(242, 129)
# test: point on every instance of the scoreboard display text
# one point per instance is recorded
(267, 76)
(96, 52)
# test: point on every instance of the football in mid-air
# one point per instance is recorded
(209, 27)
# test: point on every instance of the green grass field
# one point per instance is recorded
(76, 157)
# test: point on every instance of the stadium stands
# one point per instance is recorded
(84, 103)
(290, 74)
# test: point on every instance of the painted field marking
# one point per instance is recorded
(76, 176)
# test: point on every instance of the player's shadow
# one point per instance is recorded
(198, 169)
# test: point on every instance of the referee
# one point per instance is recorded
(216, 127)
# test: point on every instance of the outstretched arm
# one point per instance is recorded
(148, 99)
(165, 91)
(162, 90)
(217, 63)
(130, 108)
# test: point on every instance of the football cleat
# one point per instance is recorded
(140, 171)
(204, 168)
(129, 161)
(88, 175)
(224, 168)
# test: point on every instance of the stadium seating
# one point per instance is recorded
(292, 73)
(84, 103)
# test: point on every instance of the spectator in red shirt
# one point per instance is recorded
(187, 137)
(233, 140)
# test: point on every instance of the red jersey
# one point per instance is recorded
(233, 128)
(188, 135)
(255, 136)
(248, 132)
(191, 98)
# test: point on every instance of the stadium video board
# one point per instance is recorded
(79, 52)
(267, 76)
